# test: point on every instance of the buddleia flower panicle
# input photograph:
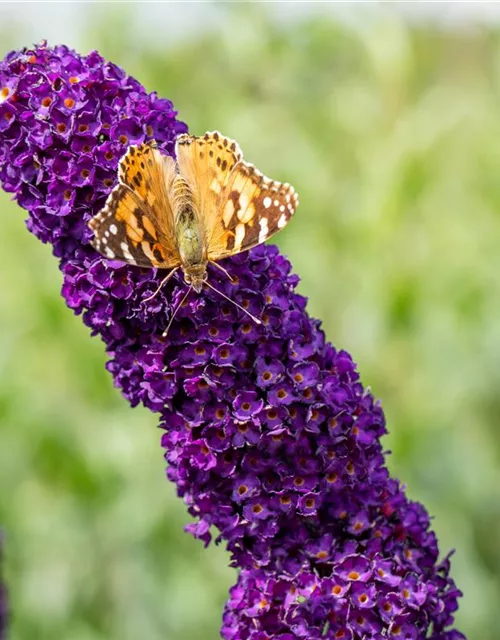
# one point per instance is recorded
(268, 433)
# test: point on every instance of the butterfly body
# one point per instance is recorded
(206, 205)
(190, 242)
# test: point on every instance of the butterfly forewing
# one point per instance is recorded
(137, 223)
(206, 162)
(253, 208)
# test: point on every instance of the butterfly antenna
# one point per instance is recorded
(256, 320)
(165, 279)
(216, 264)
(174, 313)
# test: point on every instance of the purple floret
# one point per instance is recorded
(268, 433)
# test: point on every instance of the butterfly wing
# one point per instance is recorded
(136, 224)
(206, 163)
(252, 209)
(239, 207)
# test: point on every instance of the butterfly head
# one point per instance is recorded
(195, 275)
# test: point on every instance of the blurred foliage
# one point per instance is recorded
(390, 134)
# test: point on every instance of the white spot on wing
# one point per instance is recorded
(239, 235)
(113, 228)
(264, 229)
(109, 253)
(126, 251)
(282, 221)
(243, 199)
(267, 202)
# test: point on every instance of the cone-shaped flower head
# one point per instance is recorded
(268, 433)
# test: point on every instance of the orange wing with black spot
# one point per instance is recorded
(136, 224)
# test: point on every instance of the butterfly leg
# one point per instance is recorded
(165, 279)
(216, 264)
(256, 320)
(174, 312)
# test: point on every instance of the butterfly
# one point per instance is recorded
(205, 205)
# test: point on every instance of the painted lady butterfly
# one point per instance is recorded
(206, 205)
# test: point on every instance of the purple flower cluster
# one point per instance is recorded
(269, 435)
(361, 598)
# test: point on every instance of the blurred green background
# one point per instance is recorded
(389, 128)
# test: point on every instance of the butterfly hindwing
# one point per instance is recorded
(136, 224)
